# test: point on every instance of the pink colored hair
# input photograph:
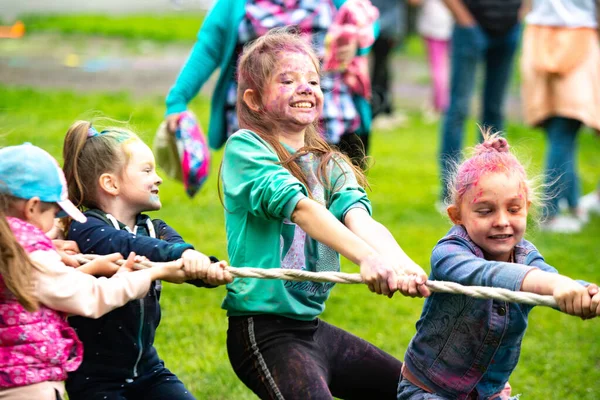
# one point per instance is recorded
(492, 155)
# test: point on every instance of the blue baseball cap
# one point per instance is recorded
(26, 171)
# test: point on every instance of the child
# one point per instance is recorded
(434, 24)
(293, 202)
(36, 292)
(466, 348)
(112, 174)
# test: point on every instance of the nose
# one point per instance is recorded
(305, 89)
(502, 219)
(158, 180)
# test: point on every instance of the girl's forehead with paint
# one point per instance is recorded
(496, 184)
(294, 61)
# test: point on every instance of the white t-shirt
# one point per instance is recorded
(435, 20)
(563, 13)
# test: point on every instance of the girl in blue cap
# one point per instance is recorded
(37, 290)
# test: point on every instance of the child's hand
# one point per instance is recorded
(106, 265)
(412, 280)
(573, 298)
(217, 274)
(58, 230)
(346, 52)
(380, 276)
(66, 249)
(171, 271)
(594, 292)
(195, 264)
(172, 122)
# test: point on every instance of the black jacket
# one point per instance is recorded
(120, 345)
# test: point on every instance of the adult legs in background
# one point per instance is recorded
(381, 102)
(468, 46)
(437, 51)
(561, 164)
(499, 59)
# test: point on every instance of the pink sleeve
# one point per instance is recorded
(65, 289)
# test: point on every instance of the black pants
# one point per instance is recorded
(382, 101)
(159, 384)
(282, 358)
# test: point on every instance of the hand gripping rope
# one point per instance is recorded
(479, 292)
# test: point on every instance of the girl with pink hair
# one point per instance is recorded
(467, 348)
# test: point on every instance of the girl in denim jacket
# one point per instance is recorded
(466, 348)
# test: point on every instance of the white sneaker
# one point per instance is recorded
(390, 121)
(562, 224)
(590, 203)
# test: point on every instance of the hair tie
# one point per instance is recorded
(92, 132)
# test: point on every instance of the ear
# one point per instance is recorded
(109, 184)
(31, 208)
(250, 97)
(454, 214)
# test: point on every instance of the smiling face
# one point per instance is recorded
(140, 181)
(494, 214)
(293, 94)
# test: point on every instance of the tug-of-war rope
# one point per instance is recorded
(479, 292)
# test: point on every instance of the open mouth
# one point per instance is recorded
(500, 237)
(155, 191)
(302, 104)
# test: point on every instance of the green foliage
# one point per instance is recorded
(561, 354)
(159, 27)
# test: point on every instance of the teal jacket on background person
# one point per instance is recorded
(215, 48)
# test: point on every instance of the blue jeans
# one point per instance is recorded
(470, 45)
(561, 164)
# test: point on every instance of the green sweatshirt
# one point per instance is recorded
(260, 196)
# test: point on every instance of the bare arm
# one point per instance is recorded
(321, 225)
(460, 12)
(382, 240)
(572, 297)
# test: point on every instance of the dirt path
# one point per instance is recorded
(149, 69)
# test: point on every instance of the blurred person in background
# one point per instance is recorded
(487, 32)
(560, 70)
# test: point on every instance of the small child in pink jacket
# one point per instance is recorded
(37, 290)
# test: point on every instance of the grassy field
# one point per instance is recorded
(561, 354)
(163, 28)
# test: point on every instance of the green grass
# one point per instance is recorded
(561, 354)
(160, 27)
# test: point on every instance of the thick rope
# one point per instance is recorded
(479, 292)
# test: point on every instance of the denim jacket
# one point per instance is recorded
(466, 347)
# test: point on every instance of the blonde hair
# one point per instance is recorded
(15, 265)
(88, 154)
(256, 64)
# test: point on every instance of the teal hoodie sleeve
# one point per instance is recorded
(346, 193)
(206, 56)
(255, 182)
